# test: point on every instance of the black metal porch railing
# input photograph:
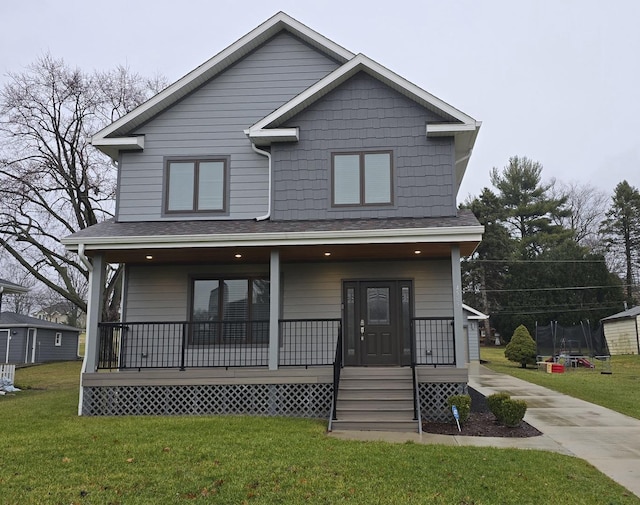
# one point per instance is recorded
(144, 345)
(434, 341)
(337, 368)
(308, 342)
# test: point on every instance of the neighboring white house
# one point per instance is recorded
(622, 331)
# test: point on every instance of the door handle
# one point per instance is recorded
(362, 329)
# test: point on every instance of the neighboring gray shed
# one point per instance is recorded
(622, 331)
(25, 339)
(472, 319)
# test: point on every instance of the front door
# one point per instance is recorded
(375, 326)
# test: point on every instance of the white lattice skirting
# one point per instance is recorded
(433, 399)
(291, 400)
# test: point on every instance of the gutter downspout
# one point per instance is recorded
(268, 155)
(1, 291)
(85, 261)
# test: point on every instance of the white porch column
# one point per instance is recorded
(458, 325)
(274, 309)
(97, 274)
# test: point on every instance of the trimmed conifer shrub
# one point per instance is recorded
(521, 348)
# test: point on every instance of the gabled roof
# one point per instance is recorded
(11, 288)
(458, 125)
(13, 320)
(114, 137)
(474, 314)
(117, 136)
(625, 314)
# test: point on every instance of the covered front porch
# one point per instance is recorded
(218, 311)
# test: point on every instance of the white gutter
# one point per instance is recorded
(268, 155)
(83, 258)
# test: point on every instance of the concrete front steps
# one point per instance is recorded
(375, 399)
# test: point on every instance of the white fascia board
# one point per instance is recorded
(448, 129)
(266, 137)
(347, 70)
(477, 315)
(220, 62)
(454, 234)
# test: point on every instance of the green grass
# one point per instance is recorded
(50, 455)
(619, 391)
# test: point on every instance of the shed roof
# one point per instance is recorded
(625, 314)
(13, 320)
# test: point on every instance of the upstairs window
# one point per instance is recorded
(58, 341)
(363, 178)
(194, 186)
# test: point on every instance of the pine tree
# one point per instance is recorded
(622, 231)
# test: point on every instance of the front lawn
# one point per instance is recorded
(618, 391)
(50, 455)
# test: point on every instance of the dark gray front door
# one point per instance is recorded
(379, 323)
(374, 322)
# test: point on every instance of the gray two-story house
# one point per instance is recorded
(286, 215)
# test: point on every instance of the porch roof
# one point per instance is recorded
(441, 232)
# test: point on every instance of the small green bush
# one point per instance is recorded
(495, 403)
(463, 404)
(513, 412)
(507, 411)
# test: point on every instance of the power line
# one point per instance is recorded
(566, 288)
(471, 260)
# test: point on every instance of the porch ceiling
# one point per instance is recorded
(304, 253)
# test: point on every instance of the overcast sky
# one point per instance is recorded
(554, 80)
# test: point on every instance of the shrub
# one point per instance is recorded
(495, 403)
(463, 404)
(521, 348)
(507, 411)
(513, 412)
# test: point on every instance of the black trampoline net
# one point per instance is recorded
(583, 339)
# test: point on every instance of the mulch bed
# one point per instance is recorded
(481, 423)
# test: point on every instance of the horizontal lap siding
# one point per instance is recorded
(315, 291)
(311, 291)
(364, 115)
(211, 122)
(46, 350)
(621, 337)
(161, 293)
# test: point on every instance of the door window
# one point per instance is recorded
(378, 306)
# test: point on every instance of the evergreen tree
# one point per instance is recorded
(530, 207)
(521, 348)
(621, 229)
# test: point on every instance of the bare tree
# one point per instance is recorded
(52, 183)
(587, 206)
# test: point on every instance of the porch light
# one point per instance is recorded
(149, 257)
(417, 252)
(238, 255)
(327, 254)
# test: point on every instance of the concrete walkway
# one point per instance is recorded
(608, 440)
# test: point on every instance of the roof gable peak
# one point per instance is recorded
(224, 59)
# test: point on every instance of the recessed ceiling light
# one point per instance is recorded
(238, 255)
(417, 252)
(327, 254)
(149, 257)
